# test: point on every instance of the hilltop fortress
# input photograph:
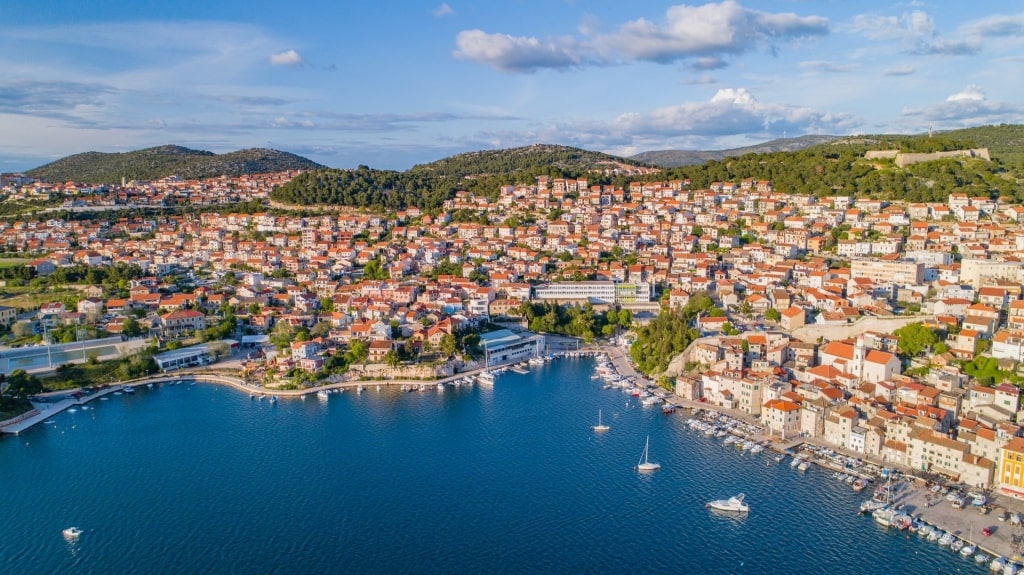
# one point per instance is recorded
(903, 160)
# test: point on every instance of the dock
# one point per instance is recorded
(44, 411)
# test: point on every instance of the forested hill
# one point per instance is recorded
(539, 158)
(163, 161)
(839, 167)
(677, 158)
(427, 186)
(835, 167)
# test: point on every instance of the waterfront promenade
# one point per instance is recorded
(918, 501)
(79, 396)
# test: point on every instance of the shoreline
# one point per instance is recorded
(83, 395)
(913, 497)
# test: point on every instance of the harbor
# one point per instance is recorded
(993, 538)
(332, 476)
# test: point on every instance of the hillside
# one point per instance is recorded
(1005, 142)
(541, 158)
(427, 186)
(163, 161)
(839, 167)
(677, 158)
(833, 166)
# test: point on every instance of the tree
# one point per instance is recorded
(131, 328)
(22, 328)
(772, 314)
(219, 349)
(282, 335)
(321, 329)
(374, 270)
(21, 384)
(448, 344)
(358, 350)
(391, 358)
(914, 338)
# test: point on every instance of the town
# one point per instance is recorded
(888, 329)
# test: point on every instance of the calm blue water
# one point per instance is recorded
(202, 479)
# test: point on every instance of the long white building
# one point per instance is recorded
(606, 292)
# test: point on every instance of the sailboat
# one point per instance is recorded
(644, 464)
(600, 426)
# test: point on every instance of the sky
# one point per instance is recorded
(390, 84)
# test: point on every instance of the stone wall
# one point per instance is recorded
(903, 160)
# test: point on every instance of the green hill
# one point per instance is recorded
(540, 158)
(829, 167)
(677, 158)
(427, 186)
(163, 161)
(839, 167)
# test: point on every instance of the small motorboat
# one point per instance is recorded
(731, 505)
(71, 533)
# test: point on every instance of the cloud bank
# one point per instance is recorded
(706, 34)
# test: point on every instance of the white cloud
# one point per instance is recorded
(916, 30)
(710, 29)
(826, 67)
(996, 25)
(898, 71)
(968, 107)
(516, 54)
(705, 33)
(730, 112)
(286, 58)
(443, 10)
(971, 93)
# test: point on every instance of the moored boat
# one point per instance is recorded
(884, 516)
(733, 504)
(71, 533)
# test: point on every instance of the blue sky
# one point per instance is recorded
(393, 83)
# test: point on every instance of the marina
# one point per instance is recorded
(555, 400)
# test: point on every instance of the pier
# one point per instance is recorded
(44, 411)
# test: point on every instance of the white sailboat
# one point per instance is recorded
(600, 426)
(645, 464)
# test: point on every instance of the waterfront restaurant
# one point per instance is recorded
(504, 346)
(191, 356)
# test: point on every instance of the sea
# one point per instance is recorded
(201, 478)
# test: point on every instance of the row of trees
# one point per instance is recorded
(576, 321)
(668, 334)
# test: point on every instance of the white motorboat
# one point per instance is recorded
(947, 539)
(600, 426)
(997, 564)
(871, 505)
(486, 378)
(756, 448)
(71, 533)
(884, 516)
(322, 395)
(804, 466)
(968, 549)
(128, 389)
(733, 504)
(645, 464)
